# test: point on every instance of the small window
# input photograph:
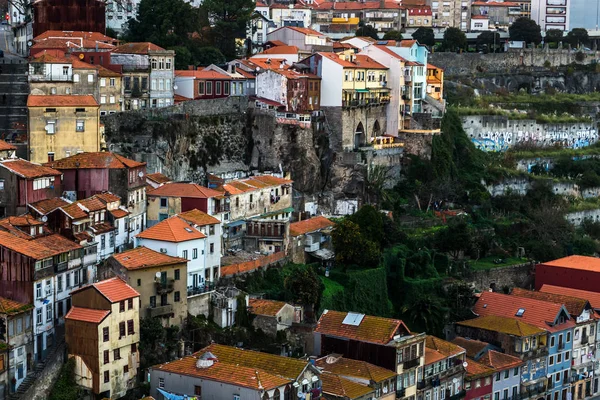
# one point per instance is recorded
(200, 88)
(520, 312)
(80, 110)
(133, 347)
(194, 254)
(177, 296)
(161, 383)
(130, 327)
(198, 390)
(102, 82)
(163, 202)
(80, 125)
(184, 254)
(75, 78)
(117, 354)
(130, 304)
(51, 127)
(125, 369)
(121, 330)
(90, 78)
(139, 282)
(122, 306)
(1, 184)
(105, 334)
(106, 357)
(177, 275)
(106, 376)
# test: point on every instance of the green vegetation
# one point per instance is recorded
(515, 115)
(495, 262)
(526, 30)
(65, 387)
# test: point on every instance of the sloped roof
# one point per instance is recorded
(4, 146)
(281, 50)
(179, 189)
(27, 169)
(574, 305)
(304, 31)
(75, 211)
(87, 314)
(476, 370)
(75, 34)
(506, 325)
(158, 177)
(95, 160)
(107, 197)
(499, 361)
(61, 100)
(370, 329)
(338, 386)
(47, 206)
(119, 213)
(354, 368)
(198, 218)
(390, 52)
(137, 48)
(107, 73)
(11, 307)
(113, 289)
(58, 243)
(582, 263)
(143, 257)
(472, 346)
(310, 225)
(438, 349)
(592, 297)
(268, 308)
(26, 247)
(252, 183)
(203, 74)
(536, 312)
(172, 229)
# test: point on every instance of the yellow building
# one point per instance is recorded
(364, 82)
(62, 125)
(435, 82)
(110, 86)
(160, 279)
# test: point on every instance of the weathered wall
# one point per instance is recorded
(499, 133)
(199, 304)
(419, 144)
(513, 276)
(577, 217)
(42, 385)
(521, 186)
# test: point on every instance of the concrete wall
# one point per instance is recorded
(512, 276)
(498, 133)
(521, 186)
(199, 304)
(44, 380)
(577, 217)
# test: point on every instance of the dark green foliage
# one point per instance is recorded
(489, 39)
(352, 247)
(230, 18)
(157, 344)
(393, 35)
(304, 286)
(426, 312)
(554, 36)
(526, 30)
(591, 228)
(65, 388)
(242, 318)
(456, 238)
(424, 36)
(578, 37)
(454, 40)
(367, 31)
(370, 222)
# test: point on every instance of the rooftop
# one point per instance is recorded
(173, 229)
(198, 218)
(304, 31)
(439, 349)
(506, 325)
(268, 308)
(476, 370)
(583, 263)
(4, 146)
(137, 48)
(574, 305)
(95, 160)
(54, 34)
(58, 243)
(353, 368)
(472, 347)
(158, 177)
(340, 387)
(281, 50)
(310, 225)
(592, 297)
(113, 289)
(202, 74)
(11, 307)
(61, 100)
(26, 247)
(87, 315)
(27, 169)
(239, 186)
(499, 361)
(143, 257)
(180, 189)
(44, 207)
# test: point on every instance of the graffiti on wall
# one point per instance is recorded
(502, 141)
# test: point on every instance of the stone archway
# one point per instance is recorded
(359, 136)
(376, 131)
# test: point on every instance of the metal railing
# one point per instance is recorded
(160, 310)
(164, 287)
(207, 287)
(410, 363)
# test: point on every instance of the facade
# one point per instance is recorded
(61, 125)
(118, 14)
(311, 238)
(435, 82)
(259, 26)
(418, 17)
(384, 342)
(305, 39)
(478, 381)
(444, 371)
(110, 91)
(451, 14)
(219, 371)
(276, 54)
(551, 14)
(575, 272)
(500, 14)
(23, 182)
(173, 198)
(102, 334)
(157, 277)
(506, 383)
(273, 316)
(296, 15)
(148, 75)
(207, 84)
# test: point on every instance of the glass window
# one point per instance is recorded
(80, 124)
(90, 78)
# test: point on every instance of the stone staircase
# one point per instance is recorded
(36, 373)
(14, 88)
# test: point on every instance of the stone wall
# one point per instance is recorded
(577, 217)
(498, 278)
(521, 186)
(199, 304)
(419, 144)
(499, 133)
(345, 122)
(45, 379)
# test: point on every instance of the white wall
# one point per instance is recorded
(331, 74)
(271, 85)
(185, 86)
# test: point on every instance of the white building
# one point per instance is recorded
(305, 39)
(551, 14)
(118, 14)
(291, 15)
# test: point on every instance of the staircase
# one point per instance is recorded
(14, 89)
(37, 373)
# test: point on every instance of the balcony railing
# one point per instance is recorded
(62, 266)
(164, 287)
(207, 287)
(458, 395)
(160, 310)
(421, 384)
(400, 393)
(585, 339)
(410, 364)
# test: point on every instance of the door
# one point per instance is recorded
(39, 344)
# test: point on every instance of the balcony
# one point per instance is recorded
(421, 384)
(62, 266)
(458, 395)
(207, 287)
(410, 364)
(160, 310)
(400, 393)
(585, 339)
(164, 287)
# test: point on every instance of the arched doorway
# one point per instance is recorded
(359, 136)
(376, 130)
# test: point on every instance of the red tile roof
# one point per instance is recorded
(4, 146)
(281, 50)
(71, 43)
(198, 218)
(173, 229)
(574, 305)
(87, 315)
(536, 312)
(177, 189)
(354, 368)
(137, 48)
(113, 289)
(143, 257)
(75, 34)
(473, 347)
(442, 347)
(310, 225)
(158, 178)
(304, 31)
(10, 307)
(499, 361)
(592, 297)
(432, 356)
(27, 247)
(27, 169)
(390, 52)
(75, 211)
(476, 370)
(62, 100)
(343, 388)
(95, 160)
(583, 263)
(47, 206)
(119, 213)
(107, 73)
(496, 4)
(58, 243)
(419, 11)
(370, 329)
(264, 307)
(107, 197)
(93, 204)
(203, 74)
(363, 61)
(253, 183)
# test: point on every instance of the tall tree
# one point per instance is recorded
(424, 36)
(454, 40)
(526, 30)
(489, 39)
(367, 31)
(554, 36)
(305, 286)
(352, 247)
(393, 35)
(229, 18)
(578, 37)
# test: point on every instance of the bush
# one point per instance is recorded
(65, 387)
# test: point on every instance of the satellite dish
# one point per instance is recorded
(141, 174)
(30, 43)
(44, 218)
(465, 364)
(81, 56)
(157, 275)
(454, 380)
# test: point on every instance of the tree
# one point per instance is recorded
(230, 18)
(352, 248)
(489, 39)
(425, 311)
(454, 40)
(456, 238)
(305, 286)
(424, 36)
(554, 36)
(577, 37)
(367, 31)
(393, 35)
(526, 30)
(370, 222)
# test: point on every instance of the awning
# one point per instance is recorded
(235, 223)
(172, 396)
(362, 90)
(323, 254)
(270, 214)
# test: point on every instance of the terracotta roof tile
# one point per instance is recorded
(137, 48)
(47, 206)
(70, 43)
(476, 370)
(574, 305)
(536, 312)
(107, 197)
(443, 347)
(26, 247)
(203, 74)
(10, 307)
(158, 177)
(4, 146)
(28, 169)
(503, 324)
(339, 387)
(143, 257)
(370, 329)
(310, 225)
(239, 186)
(281, 50)
(75, 34)
(172, 229)
(268, 308)
(101, 228)
(87, 314)
(354, 368)
(432, 356)
(473, 347)
(61, 100)
(178, 189)
(499, 361)
(6, 226)
(58, 242)
(23, 220)
(119, 213)
(198, 218)
(583, 263)
(305, 31)
(107, 73)
(95, 160)
(592, 297)
(93, 204)
(75, 211)
(114, 289)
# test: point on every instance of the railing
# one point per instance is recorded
(164, 287)
(207, 287)
(584, 339)
(458, 395)
(410, 363)
(50, 78)
(400, 393)
(421, 384)
(62, 266)
(160, 310)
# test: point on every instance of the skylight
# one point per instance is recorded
(520, 312)
(188, 230)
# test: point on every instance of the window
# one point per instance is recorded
(106, 376)
(161, 63)
(569, 336)
(153, 84)
(161, 383)
(122, 306)
(75, 78)
(177, 296)
(212, 248)
(516, 371)
(102, 82)
(106, 360)
(163, 202)
(133, 347)
(552, 339)
(497, 396)
(48, 312)
(38, 316)
(567, 355)
(184, 254)
(130, 304)
(121, 329)
(225, 87)
(200, 87)
(506, 374)
(177, 275)
(208, 87)
(139, 282)
(80, 125)
(153, 63)
(103, 99)
(505, 394)
(152, 301)
(112, 82)
(130, 326)
(497, 376)
(161, 84)
(168, 63)
(551, 360)
(105, 334)
(167, 84)
(1, 184)
(59, 283)
(51, 127)
(102, 242)
(198, 390)
(194, 254)
(117, 354)
(90, 78)
(112, 99)
(125, 369)
(488, 381)
(218, 87)
(559, 358)
(211, 229)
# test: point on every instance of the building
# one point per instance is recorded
(16, 337)
(435, 82)
(273, 316)
(288, 54)
(119, 13)
(178, 238)
(480, 23)
(387, 343)
(575, 272)
(297, 15)
(500, 14)
(506, 383)
(87, 174)
(258, 27)
(89, 47)
(204, 84)
(451, 14)
(418, 17)
(311, 238)
(219, 371)
(102, 334)
(159, 279)
(61, 125)
(382, 381)
(443, 371)
(478, 381)
(23, 182)
(110, 91)
(336, 387)
(157, 179)
(305, 39)
(552, 14)
(148, 74)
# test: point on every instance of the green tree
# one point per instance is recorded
(351, 248)
(489, 39)
(370, 222)
(305, 287)
(242, 317)
(229, 18)
(454, 40)
(456, 238)
(526, 30)
(578, 37)
(554, 36)
(367, 31)
(393, 35)
(425, 311)
(424, 36)
(65, 387)
(459, 301)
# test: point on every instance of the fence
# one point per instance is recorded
(249, 266)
